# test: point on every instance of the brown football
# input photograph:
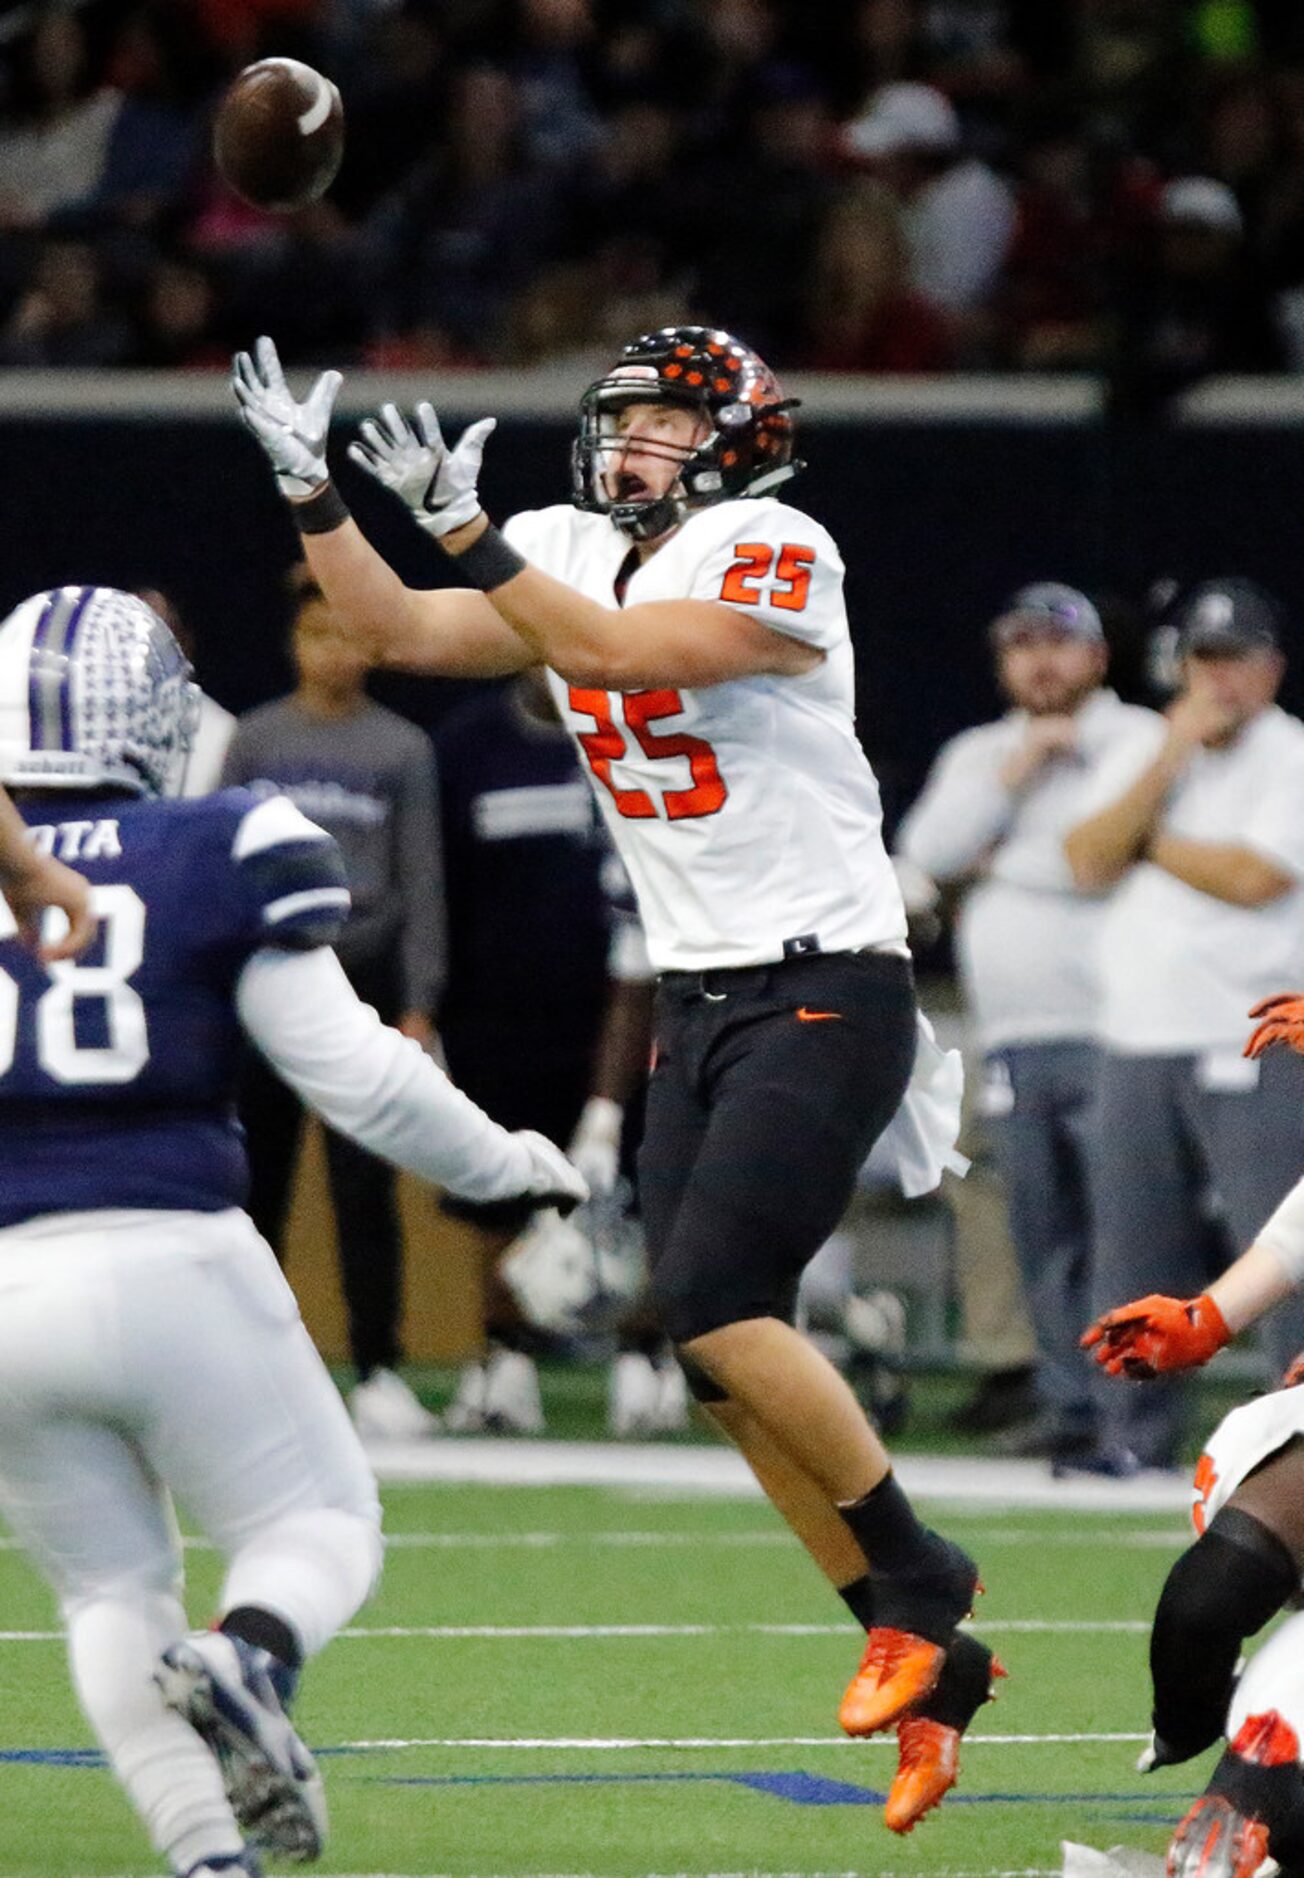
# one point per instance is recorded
(279, 134)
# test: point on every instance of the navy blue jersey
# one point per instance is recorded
(117, 1070)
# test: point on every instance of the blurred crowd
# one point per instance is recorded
(856, 185)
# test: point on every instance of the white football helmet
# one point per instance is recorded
(94, 690)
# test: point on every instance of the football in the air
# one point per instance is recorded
(279, 134)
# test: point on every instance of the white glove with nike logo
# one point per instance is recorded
(437, 484)
(293, 434)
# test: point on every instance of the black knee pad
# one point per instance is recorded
(700, 1386)
(1221, 1591)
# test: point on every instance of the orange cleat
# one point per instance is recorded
(1215, 1841)
(929, 1762)
(896, 1672)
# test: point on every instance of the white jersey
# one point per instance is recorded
(745, 812)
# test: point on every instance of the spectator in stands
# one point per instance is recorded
(1194, 822)
(546, 1017)
(959, 214)
(367, 777)
(63, 317)
(559, 123)
(864, 316)
(1051, 300)
(1195, 306)
(176, 330)
(53, 145)
(750, 281)
(164, 73)
(991, 822)
(470, 229)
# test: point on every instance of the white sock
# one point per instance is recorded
(170, 1777)
(312, 1570)
(1273, 1679)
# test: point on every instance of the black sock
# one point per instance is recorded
(859, 1600)
(887, 1531)
(964, 1684)
(1221, 1591)
(268, 1632)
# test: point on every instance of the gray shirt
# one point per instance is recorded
(369, 780)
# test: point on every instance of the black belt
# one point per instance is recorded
(723, 981)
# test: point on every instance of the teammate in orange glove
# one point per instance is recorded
(1157, 1335)
(1281, 1021)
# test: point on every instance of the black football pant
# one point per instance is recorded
(771, 1085)
(361, 1189)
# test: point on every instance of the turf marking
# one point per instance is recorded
(600, 1744)
(571, 1633)
(626, 1539)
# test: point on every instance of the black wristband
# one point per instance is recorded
(489, 561)
(322, 512)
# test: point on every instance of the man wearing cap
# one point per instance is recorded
(1196, 305)
(992, 819)
(1195, 823)
(959, 214)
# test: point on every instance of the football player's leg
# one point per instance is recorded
(794, 1109)
(95, 1521)
(252, 1435)
(1236, 1577)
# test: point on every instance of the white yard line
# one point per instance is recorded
(604, 1744)
(722, 1473)
(566, 1633)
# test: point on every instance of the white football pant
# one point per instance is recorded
(145, 1354)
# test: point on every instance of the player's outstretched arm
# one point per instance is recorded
(30, 882)
(449, 632)
(667, 642)
(383, 1091)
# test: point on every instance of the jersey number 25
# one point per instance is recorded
(606, 744)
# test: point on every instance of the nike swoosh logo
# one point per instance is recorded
(816, 1017)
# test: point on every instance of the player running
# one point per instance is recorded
(696, 643)
(1246, 1565)
(147, 1339)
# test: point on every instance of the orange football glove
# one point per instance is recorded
(1281, 1020)
(1295, 1374)
(1156, 1335)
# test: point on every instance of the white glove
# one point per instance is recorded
(293, 435)
(437, 484)
(552, 1180)
(595, 1145)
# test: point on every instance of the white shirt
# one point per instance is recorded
(216, 727)
(745, 812)
(1027, 938)
(1179, 968)
(959, 228)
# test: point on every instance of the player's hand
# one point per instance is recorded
(595, 1145)
(42, 883)
(293, 434)
(1045, 738)
(437, 484)
(552, 1180)
(1281, 1020)
(1156, 1335)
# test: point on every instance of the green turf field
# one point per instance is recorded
(578, 1680)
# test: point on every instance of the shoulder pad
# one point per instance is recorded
(293, 873)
